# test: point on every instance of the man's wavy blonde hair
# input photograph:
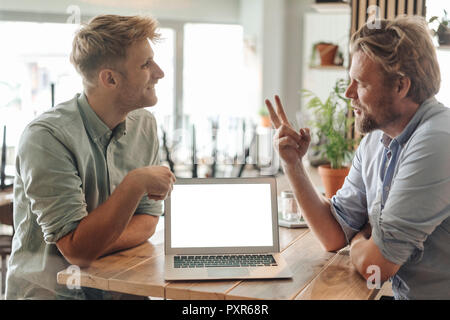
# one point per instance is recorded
(403, 47)
(103, 43)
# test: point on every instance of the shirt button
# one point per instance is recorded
(386, 188)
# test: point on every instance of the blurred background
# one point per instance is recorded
(221, 59)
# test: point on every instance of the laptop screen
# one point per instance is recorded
(221, 214)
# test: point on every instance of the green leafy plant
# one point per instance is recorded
(443, 24)
(442, 27)
(263, 112)
(332, 125)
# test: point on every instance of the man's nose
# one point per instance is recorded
(350, 92)
(159, 73)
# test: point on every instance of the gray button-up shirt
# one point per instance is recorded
(68, 163)
(402, 187)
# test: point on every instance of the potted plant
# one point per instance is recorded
(332, 126)
(442, 31)
(327, 52)
(265, 119)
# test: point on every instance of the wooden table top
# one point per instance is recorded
(317, 274)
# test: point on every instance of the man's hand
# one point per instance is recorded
(156, 181)
(291, 145)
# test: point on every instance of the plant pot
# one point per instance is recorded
(327, 52)
(444, 38)
(332, 179)
(265, 121)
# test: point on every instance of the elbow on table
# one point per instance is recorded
(371, 274)
(74, 255)
(333, 245)
(372, 270)
(79, 261)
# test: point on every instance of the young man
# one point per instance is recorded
(88, 180)
(394, 206)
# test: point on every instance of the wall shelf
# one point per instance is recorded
(328, 68)
(443, 47)
(332, 7)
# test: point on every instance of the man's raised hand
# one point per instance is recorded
(290, 144)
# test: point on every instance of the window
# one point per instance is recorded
(37, 58)
(208, 79)
(219, 91)
(214, 73)
(165, 89)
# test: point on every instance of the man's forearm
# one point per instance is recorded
(315, 208)
(102, 226)
(140, 228)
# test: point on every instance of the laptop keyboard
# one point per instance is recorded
(248, 260)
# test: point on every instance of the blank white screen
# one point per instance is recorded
(224, 215)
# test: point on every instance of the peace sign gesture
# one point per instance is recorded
(290, 144)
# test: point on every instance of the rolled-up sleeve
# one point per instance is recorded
(349, 205)
(150, 207)
(418, 201)
(51, 182)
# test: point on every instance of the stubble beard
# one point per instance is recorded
(134, 99)
(383, 107)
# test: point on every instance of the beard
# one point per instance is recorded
(382, 114)
(134, 98)
(366, 124)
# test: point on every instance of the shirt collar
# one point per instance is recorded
(410, 127)
(96, 128)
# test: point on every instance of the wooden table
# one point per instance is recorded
(317, 274)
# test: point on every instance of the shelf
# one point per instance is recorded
(445, 47)
(332, 7)
(328, 68)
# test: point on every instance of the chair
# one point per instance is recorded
(5, 250)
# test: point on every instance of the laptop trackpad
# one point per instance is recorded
(231, 272)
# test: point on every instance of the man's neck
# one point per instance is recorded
(106, 109)
(408, 110)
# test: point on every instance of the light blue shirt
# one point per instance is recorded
(402, 187)
(68, 163)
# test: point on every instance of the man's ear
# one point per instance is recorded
(403, 86)
(107, 78)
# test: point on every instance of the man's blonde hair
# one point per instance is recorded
(103, 43)
(404, 48)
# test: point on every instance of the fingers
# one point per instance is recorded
(280, 110)
(273, 115)
(305, 134)
(279, 117)
(284, 131)
(170, 173)
(287, 142)
(157, 197)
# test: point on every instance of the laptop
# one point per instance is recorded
(223, 228)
